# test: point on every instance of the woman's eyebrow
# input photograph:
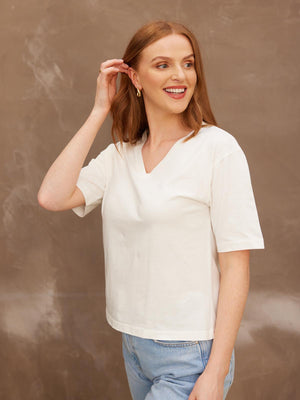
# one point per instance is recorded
(168, 58)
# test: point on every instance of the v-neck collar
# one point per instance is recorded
(140, 160)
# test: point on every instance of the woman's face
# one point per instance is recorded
(166, 66)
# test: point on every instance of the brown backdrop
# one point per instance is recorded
(54, 340)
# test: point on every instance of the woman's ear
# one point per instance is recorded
(134, 77)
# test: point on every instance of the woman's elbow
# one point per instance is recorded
(46, 202)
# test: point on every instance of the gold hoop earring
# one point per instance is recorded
(138, 92)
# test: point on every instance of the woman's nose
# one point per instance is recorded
(178, 73)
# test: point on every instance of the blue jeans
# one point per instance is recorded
(166, 369)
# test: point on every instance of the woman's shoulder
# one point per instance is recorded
(116, 149)
(218, 135)
(220, 141)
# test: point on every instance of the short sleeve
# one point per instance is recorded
(234, 216)
(92, 182)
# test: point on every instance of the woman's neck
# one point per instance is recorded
(168, 129)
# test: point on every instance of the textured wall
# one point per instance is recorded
(54, 340)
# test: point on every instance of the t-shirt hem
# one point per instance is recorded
(88, 206)
(242, 245)
(81, 210)
(147, 333)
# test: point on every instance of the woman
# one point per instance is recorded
(178, 211)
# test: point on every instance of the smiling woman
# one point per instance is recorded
(178, 214)
(163, 58)
(177, 80)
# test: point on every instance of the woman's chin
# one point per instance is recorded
(168, 109)
(179, 110)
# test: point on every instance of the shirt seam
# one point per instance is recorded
(226, 155)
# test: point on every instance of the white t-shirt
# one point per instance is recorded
(162, 231)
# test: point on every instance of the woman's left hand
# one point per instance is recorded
(208, 387)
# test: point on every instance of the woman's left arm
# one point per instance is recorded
(233, 292)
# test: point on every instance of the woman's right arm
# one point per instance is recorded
(58, 190)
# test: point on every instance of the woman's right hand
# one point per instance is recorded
(107, 83)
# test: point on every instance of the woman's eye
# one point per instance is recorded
(161, 65)
(191, 63)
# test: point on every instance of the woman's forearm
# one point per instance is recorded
(233, 292)
(60, 181)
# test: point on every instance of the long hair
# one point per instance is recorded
(128, 110)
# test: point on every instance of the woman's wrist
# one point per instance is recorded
(220, 371)
(99, 111)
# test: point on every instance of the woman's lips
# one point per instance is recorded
(176, 95)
